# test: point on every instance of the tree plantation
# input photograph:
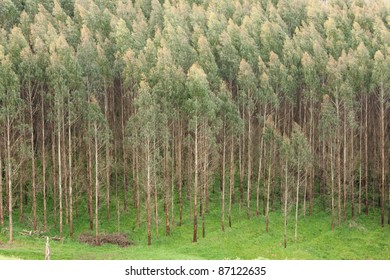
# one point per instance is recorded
(154, 114)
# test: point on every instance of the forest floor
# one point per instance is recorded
(363, 238)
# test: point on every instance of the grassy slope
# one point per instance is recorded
(362, 239)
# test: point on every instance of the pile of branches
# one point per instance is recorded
(118, 239)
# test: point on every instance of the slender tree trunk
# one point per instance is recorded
(43, 165)
(167, 188)
(249, 183)
(1, 193)
(190, 177)
(136, 191)
(118, 214)
(241, 167)
(108, 158)
(366, 153)
(223, 177)
(285, 203)
(154, 184)
(305, 170)
(89, 175)
(265, 171)
(206, 170)
(231, 178)
(54, 174)
(260, 163)
(173, 184)
(332, 183)
(124, 154)
(345, 165)
(297, 200)
(338, 166)
(154, 178)
(33, 175)
(352, 174)
(65, 171)
(195, 235)
(360, 162)
(96, 186)
(325, 174)
(312, 148)
(108, 183)
(268, 187)
(135, 173)
(148, 191)
(9, 179)
(304, 192)
(382, 151)
(70, 182)
(21, 193)
(180, 181)
(205, 180)
(59, 168)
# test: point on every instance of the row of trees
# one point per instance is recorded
(282, 103)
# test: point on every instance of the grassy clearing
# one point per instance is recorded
(362, 239)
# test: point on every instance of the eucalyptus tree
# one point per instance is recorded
(99, 132)
(41, 61)
(128, 70)
(139, 35)
(270, 41)
(206, 60)
(25, 65)
(131, 76)
(268, 102)
(146, 122)
(292, 12)
(28, 83)
(335, 70)
(156, 18)
(11, 105)
(60, 73)
(74, 97)
(9, 15)
(286, 155)
(178, 42)
(228, 113)
(228, 59)
(327, 123)
(301, 157)
(249, 94)
(125, 10)
(216, 25)
(247, 48)
(200, 107)
(105, 84)
(169, 86)
(313, 70)
(279, 83)
(361, 79)
(271, 138)
(381, 76)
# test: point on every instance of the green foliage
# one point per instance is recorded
(9, 88)
(235, 73)
(199, 105)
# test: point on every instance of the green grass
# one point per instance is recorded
(246, 239)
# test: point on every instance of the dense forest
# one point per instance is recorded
(150, 106)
